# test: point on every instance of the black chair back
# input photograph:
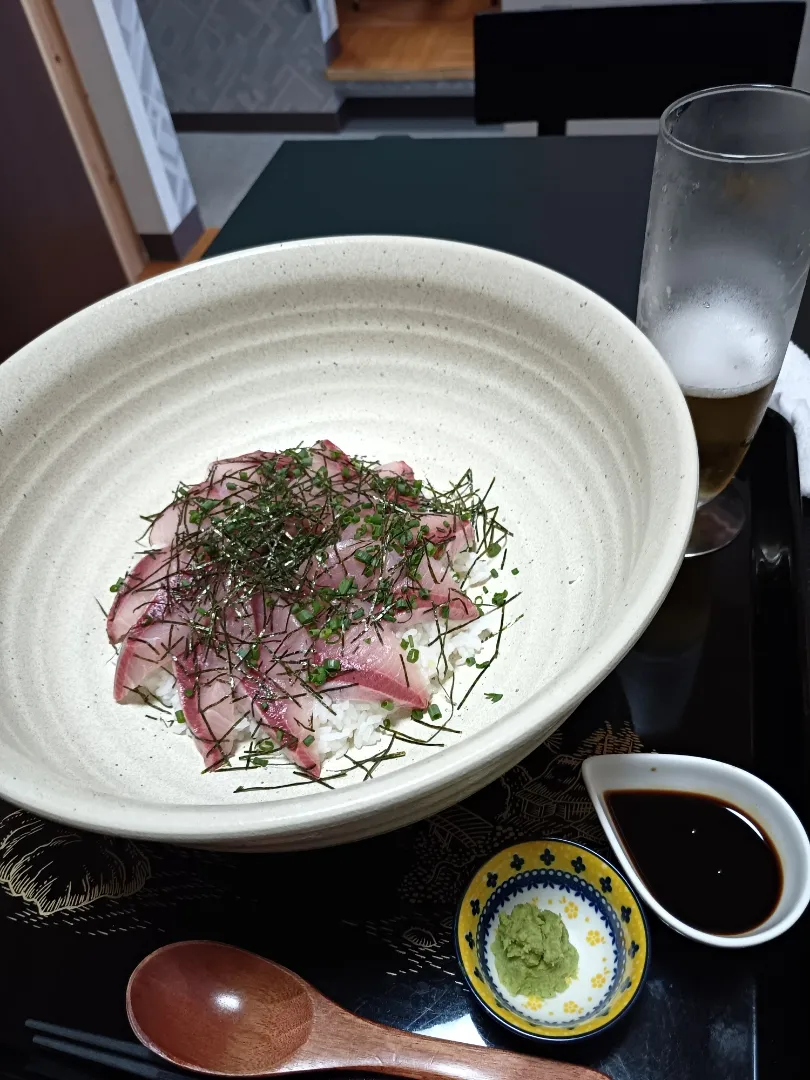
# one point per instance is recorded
(555, 65)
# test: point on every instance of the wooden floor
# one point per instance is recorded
(405, 40)
(152, 269)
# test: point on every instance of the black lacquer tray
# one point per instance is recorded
(722, 671)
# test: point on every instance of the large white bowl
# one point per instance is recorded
(447, 355)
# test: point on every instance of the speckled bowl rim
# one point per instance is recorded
(220, 824)
(536, 1036)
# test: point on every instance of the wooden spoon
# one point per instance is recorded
(224, 1011)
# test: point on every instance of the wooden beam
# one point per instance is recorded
(72, 96)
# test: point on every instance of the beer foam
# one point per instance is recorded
(718, 348)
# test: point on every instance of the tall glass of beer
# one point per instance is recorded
(725, 261)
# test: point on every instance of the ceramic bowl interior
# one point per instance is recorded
(446, 355)
(604, 920)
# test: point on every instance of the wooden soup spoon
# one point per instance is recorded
(223, 1011)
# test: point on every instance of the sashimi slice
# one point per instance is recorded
(284, 708)
(373, 659)
(279, 631)
(229, 470)
(213, 703)
(424, 609)
(456, 535)
(370, 664)
(396, 468)
(147, 649)
(176, 517)
(135, 594)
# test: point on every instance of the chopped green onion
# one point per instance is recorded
(493, 697)
(386, 704)
(417, 714)
(332, 665)
(499, 598)
(413, 656)
(515, 570)
(493, 550)
(117, 585)
(309, 740)
(434, 712)
(180, 716)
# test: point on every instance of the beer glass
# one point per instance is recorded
(725, 260)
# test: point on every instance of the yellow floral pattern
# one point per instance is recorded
(576, 1019)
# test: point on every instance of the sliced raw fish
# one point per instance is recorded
(373, 659)
(396, 468)
(135, 594)
(147, 649)
(456, 535)
(177, 515)
(282, 706)
(213, 702)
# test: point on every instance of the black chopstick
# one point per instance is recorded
(104, 1042)
(128, 1057)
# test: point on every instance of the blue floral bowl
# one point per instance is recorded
(604, 921)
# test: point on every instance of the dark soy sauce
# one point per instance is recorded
(705, 861)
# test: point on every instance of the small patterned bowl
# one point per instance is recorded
(604, 920)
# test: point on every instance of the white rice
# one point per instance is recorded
(356, 728)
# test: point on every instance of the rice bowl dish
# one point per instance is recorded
(452, 356)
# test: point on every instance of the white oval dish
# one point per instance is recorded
(447, 355)
(673, 772)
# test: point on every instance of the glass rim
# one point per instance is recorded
(714, 155)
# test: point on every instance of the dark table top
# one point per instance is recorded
(575, 204)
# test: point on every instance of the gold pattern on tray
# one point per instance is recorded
(54, 869)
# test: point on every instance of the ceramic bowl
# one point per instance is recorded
(737, 788)
(604, 920)
(394, 347)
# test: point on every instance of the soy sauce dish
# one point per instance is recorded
(714, 851)
(602, 919)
